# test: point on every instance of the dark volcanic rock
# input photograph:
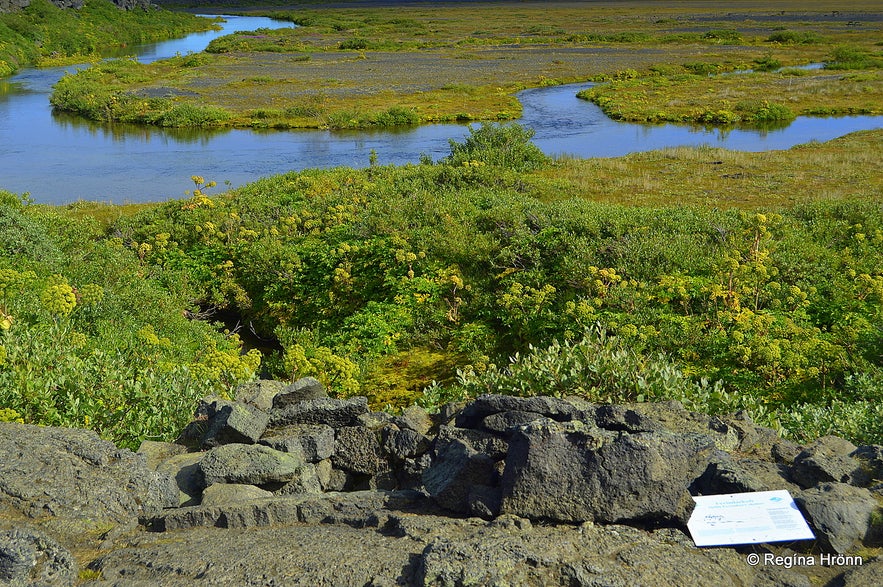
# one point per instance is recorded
(621, 418)
(66, 472)
(305, 388)
(259, 393)
(472, 415)
(358, 450)
(235, 422)
(414, 418)
(502, 422)
(839, 513)
(155, 452)
(29, 557)
(478, 440)
(404, 444)
(184, 468)
(871, 459)
(306, 482)
(333, 412)
(264, 519)
(867, 575)
(455, 470)
(223, 494)
(827, 459)
(314, 441)
(728, 475)
(252, 464)
(574, 472)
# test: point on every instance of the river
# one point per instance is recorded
(60, 158)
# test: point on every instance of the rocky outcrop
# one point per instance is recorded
(288, 486)
(29, 557)
(54, 472)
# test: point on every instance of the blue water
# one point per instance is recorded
(60, 158)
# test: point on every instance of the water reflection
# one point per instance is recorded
(564, 124)
(122, 132)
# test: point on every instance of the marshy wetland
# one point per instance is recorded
(404, 80)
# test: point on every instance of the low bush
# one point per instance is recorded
(850, 57)
(795, 38)
(91, 337)
(502, 145)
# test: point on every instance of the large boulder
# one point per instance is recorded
(486, 405)
(576, 472)
(839, 513)
(252, 464)
(46, 472)
(404, 444)
(332, 412)
(304, 389)
(726, 474)
(456, 472)
(314, 441)
(235, 422)
(358, 450)
(259, 393)
(828, 460)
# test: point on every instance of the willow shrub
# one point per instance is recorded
(92, 337)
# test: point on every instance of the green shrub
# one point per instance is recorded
(393, 116)
(728, 36)
(187, 114)
(599, 368)
(761, 111)
(850, 57)
(353, 45)
(91, 338)
(501, 145)
(795, 38)
(767, 63)
(703, 68)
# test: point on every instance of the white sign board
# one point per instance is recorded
(747, 518)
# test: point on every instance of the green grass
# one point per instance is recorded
(733, 99)
(705, 176)
(43, 34)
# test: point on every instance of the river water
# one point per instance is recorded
(59, 158)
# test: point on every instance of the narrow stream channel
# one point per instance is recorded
(59, 158)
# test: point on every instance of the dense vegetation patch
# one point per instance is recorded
(354, 271)
(91, 336)
(484, 272)
(42, 33)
